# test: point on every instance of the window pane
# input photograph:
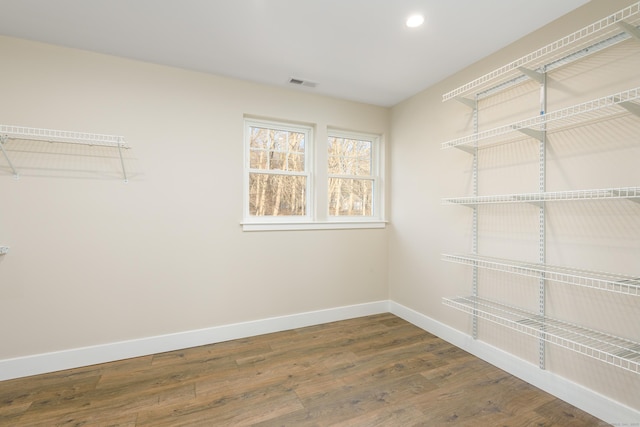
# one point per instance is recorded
(277, 161)
(296, 142)
(258, 159)
(273, 149)
(349, 157)
(259, 138)
(295, 162)
(277, 195)
(350, 197)
(280, 140)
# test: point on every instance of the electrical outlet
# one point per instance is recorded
(4, 250)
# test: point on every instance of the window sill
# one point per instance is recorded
(327, 225)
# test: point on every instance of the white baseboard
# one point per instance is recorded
(85, 356)
(581, 397)
(589, 401)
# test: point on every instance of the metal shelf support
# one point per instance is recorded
(533, 133)
(474, 242)
(3, 139)
(466, 101)
(630, 29)
(533, 75)
(542, 187)
(466, 149)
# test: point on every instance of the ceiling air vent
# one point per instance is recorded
(300, 82)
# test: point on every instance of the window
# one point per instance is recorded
(278, 174)
(352, 170)
(291, 183)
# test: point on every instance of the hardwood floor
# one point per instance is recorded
(372, 371)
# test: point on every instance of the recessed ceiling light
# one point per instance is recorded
(415, 21)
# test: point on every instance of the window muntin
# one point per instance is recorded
(352, 174)
(278, 173)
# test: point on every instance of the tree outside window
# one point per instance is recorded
(278, 173)
(352, 175)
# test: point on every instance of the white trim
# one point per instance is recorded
(600, 406)
(311, 225)
(85, 356)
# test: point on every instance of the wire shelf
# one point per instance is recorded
(608, 348)
(618, 103)
(611, 282)
(50, 135)
(62, 136)
(578, 43)
(631, 193)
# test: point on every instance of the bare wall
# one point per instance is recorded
(94, 260)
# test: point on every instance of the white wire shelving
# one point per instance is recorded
(611, 282)
(538, 66)
(608, 31)
(8, 132)
(615, 104)
(608, 348)
(629, 193)
(51, 135)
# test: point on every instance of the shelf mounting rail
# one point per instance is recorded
(69, 137)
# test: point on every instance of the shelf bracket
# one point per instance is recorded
(466, 101)
(630, 29)
(466, 149)
(631, 107)
(534, 75)
(124, 171)
(537, 134)
(3, 139)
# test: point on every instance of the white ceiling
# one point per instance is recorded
(353, 49)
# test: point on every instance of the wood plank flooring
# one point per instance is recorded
(372, 371)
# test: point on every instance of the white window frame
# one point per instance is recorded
(309, 208)
(316, 167)
(375, 176)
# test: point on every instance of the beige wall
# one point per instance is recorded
(590, 235)
(94, 260)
